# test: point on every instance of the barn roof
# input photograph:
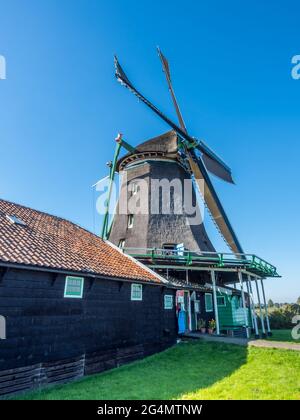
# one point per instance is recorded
(36, 239)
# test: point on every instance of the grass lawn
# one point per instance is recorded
(195, 370)
(283, 335)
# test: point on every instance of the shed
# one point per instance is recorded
(72, 303)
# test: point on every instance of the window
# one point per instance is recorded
(173, 249)
(168, 302)
(136, 292)
(74, 287)
(15, 220)
(170, 246)
(237, 302)
(134, 188)
(221, 301)
(208, 302)
(2, 328)
(122, 244)
(130, 221)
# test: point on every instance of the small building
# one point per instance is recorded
(198, 303)
(231, 311)
(72, 304)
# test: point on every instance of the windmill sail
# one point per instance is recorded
(166, 69)
(213, 203)
(219, 168)
(214, 166)
(123, 79)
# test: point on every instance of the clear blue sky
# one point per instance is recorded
(61, 107)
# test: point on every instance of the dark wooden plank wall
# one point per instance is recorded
(105, 327)
(207, 316)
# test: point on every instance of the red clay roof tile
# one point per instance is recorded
(51, 242)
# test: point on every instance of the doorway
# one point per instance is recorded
(183, 299)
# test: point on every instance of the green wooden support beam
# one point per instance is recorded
(110, 188)
(120, 143)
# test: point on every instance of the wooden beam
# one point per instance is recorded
(240, 275)
(213, 279)
(260, 309)
(266, 308)
(254, 316)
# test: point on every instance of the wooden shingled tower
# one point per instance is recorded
(159, 160)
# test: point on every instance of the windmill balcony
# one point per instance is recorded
(209, 260)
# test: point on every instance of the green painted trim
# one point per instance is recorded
(223, 305)
(74, 295)
(211, 307)
(121, 143)
(168, 302)
(104, 234)
(251, 263)
(137, 299)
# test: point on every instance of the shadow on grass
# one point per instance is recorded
(183, 369)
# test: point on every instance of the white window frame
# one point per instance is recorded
(130, 221)
(139, 286)
(223, 305)
(66, 287)
(212, 306)
(134, 188)
(121, 244)
(170, 305)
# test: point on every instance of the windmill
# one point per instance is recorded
(196, 156)
(148, 237)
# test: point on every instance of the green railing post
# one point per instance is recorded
(221, 260)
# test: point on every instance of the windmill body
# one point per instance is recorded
(159, 164)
